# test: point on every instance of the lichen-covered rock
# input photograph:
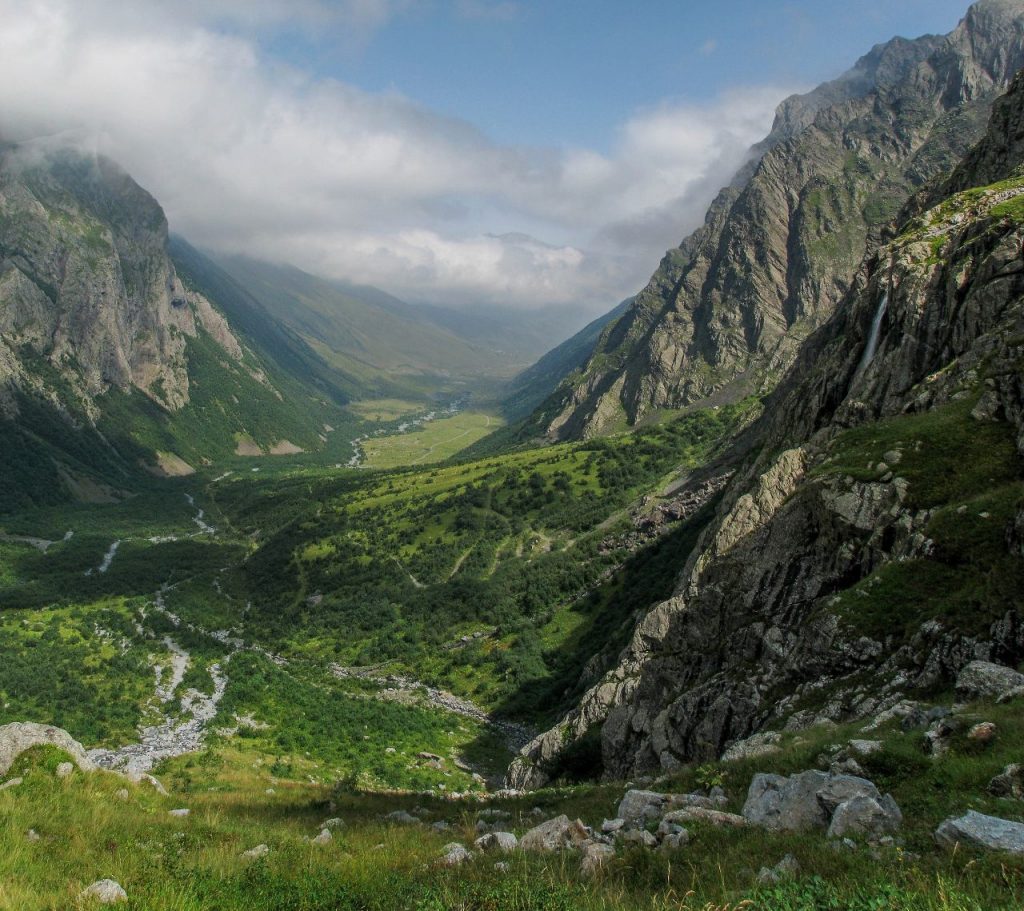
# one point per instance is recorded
(985, 680)
(496, 841)
(1008, 783)
(864, 816)
(454, 855)
(19, 736)
(555, 835)
(594, 857)
(978, 830)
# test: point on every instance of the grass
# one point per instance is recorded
(434, 441)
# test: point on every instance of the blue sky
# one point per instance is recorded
(465, 152)
(569, 72)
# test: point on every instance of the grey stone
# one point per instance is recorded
(401, 817)
(258, 851)
(555, 834)
(594, 857)
(871, 817)
(454, 855)
(496, 841)
(1008, 783)
(11, 783)
(182, 812)
(640, 837)
(978, 830)
(19, 736)
(640, 807)
(324, 838)
(105, 892)
(784, 869)
(333, 823)
(802, 802)
(65, 769)
(985, 680)
(612, 825)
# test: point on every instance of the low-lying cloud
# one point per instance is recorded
(250, 155)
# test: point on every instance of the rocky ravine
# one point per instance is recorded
(750, 636)
(726, 312)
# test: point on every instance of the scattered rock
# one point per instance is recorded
(122, 794)
(640, 837)
(324, 838)
(677, 839)
(864, 748)
(258, 851)
(440, 826)
(984, 680)
(454, 855)
(594, 857)
(705, 815)
(11, 783)
(496, 841)
(871, 817)
(784, 869)
(65, 769)
(1008, 783)
(333, 823)
(402, 817)
(612, 825)
(180, 813)
(982, 732)
(106, 892)
(555, 834)
(641, 807)
(978, 830)
(32, 835)
(146, 778)
(19, 736)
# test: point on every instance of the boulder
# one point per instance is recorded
(763, 744)
(982, 732)
(985, 680)
(978, 830)
(11, 783)
(105, 892)
(496, 841)
(258, 851)
(640, 837)
(333, 823)
(1008, 783)
(65, 769)
(638, 808)
(19, 736)
(454, 855)
(594, 857)
(555, 834)
(146, 778)
(870, 817)
(324, 838)
(802, 802)
(402, 817)
(612, 825)
(180, 813)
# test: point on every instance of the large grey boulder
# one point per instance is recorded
(809, 800)
(985, 680)
(19, 736)
(555, 834)
(982, 831)
(641, 807)
(871, 817)
(105, 892)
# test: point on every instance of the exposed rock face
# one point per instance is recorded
(753, 628)
(725, 312)
(985, 680)
(87, 286)
(19, 736)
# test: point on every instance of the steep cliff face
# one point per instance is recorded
(872, 546)
(88, 289)
(726, 311)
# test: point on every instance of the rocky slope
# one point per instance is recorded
(726, 311)
(872, 546)
(111, 357)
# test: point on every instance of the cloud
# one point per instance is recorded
(249, 155)
(709, 47)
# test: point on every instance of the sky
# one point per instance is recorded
(476, 153)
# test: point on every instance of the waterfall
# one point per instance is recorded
(876, 328)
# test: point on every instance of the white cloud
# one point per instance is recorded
(248, 155)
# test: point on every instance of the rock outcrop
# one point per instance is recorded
(19, 736)
(772, 612)
(726, 312)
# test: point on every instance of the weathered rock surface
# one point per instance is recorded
(496, 841)
(555, 835)
(1008, 783)
(726, 311)
(454, 855)
(594, 857)
(19, 736)
(104, 892)
(985, 680)
(981, 831)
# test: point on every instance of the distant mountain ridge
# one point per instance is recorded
(726, 311)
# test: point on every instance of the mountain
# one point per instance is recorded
(869, 544)
(392, 348)
(536, 383)
(112, 359)
(725, 313)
